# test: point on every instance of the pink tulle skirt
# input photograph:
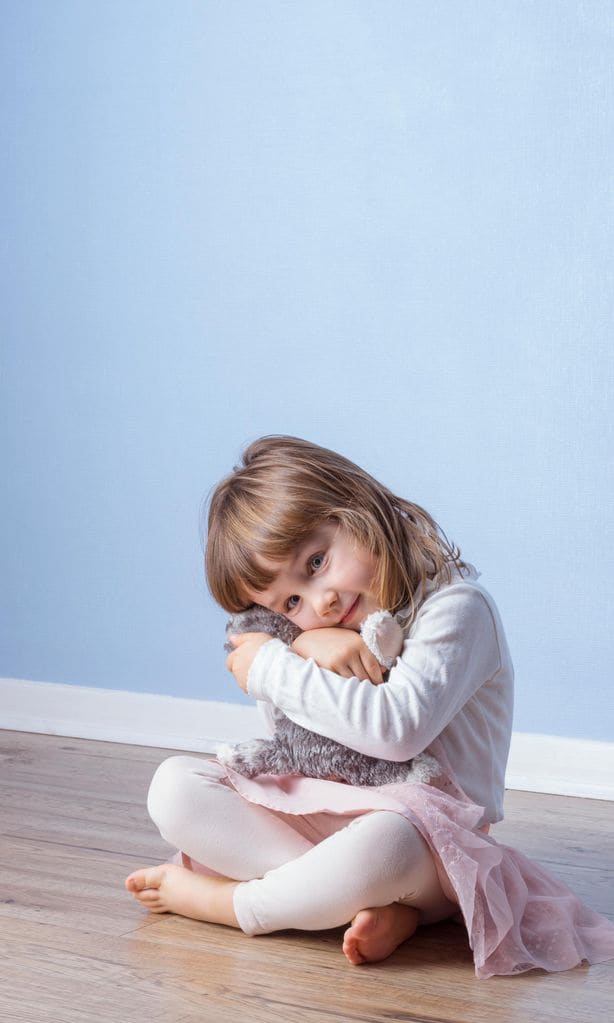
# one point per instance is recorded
(518, 916)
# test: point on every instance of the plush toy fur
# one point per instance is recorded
(296, 750)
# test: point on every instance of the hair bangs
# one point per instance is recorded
(255, 531)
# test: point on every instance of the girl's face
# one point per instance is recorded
(327, 582)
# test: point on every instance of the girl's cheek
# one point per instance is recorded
(305, 622)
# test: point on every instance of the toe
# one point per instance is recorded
(150, 900)
(140, 879)
(353, 956)
(134, 882)
(351, 950)
(148, 896)
(364, 924)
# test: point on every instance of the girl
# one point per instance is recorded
(305, 532)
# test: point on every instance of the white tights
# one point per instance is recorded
(304, 872)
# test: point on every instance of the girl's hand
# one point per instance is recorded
(342, 651)
(240, 660)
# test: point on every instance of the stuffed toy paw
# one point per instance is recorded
(296, 750)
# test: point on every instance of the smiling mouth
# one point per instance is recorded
(349, 612)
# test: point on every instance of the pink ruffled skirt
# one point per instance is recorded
(518, 916)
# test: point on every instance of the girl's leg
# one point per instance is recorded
(377, 860)
(196, 812)
(204, 817)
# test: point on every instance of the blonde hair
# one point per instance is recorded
(287, 487)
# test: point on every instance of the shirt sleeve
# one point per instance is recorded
(452, 651)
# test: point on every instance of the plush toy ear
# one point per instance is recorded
(384, 636)
(261, 619)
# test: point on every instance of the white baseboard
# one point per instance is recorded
(139, 719)
(537, 763)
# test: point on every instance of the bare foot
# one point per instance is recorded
(375, 933)
(174, 889)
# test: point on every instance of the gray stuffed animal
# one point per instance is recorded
(296, 750)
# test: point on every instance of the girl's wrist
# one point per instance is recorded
(261, 666)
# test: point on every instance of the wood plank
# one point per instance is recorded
(191, 964)
(77, 948)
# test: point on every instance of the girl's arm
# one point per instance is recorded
(340, 650)
(451, 653)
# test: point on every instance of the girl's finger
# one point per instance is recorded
(236, 638)
(347, 670)
(372, 668)
(354, 669)
(357, 670)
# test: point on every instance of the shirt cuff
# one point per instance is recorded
(260, 667)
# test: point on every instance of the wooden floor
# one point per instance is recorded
(76, 948)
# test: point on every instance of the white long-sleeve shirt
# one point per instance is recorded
(450, 691)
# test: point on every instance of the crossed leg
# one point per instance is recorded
(279, 872)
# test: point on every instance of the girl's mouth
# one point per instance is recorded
(349, 612)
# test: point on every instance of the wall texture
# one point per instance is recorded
(385, 226)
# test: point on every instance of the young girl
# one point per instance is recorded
(305, 532)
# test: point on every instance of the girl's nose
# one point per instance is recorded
(325, 602)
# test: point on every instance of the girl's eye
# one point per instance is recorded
(292, 602)
(316, 562)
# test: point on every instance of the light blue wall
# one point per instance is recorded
(385, 226)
